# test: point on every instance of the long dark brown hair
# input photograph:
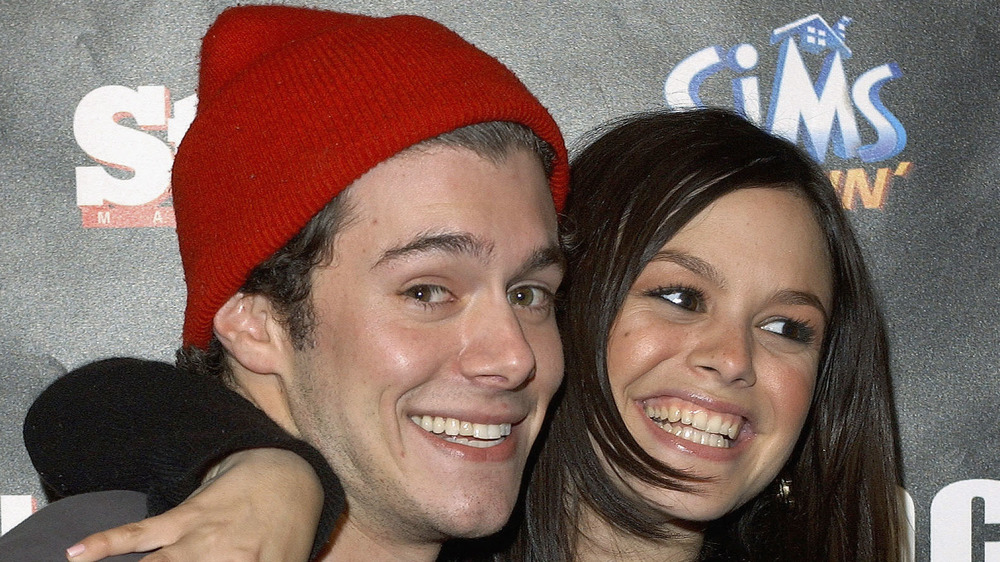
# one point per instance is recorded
(636, 183)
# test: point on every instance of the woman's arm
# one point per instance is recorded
(261, 506)
(149, 427)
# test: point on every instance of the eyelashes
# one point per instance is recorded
(428, 294)
(795, 330)
(533, 298)
(681, 296)
(692, 300)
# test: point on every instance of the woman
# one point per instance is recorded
(727, 394)
(668, 221)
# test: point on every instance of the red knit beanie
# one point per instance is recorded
(294, 105)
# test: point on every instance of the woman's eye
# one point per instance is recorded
(529, 297)
(427, 293)
(797, 331)
(688, 299)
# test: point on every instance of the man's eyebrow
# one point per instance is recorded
(541, 259)
(465, 243)
(692, 263)
(441, 242)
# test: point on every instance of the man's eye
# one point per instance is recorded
(427, 293)
(528, 297)
(791, 329)
(688, 299)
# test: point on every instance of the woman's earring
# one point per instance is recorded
(785, 491)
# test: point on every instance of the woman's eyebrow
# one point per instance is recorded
(793, 297)
(692, 263)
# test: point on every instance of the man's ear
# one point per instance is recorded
(246, 326)
(261, 355)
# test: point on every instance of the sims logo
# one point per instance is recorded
(132, 136)
(828, 113)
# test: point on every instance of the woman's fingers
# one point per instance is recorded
(141, 536)
(259, 505)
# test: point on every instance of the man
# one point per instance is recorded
(366, 214)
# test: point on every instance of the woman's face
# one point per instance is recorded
(713, 357)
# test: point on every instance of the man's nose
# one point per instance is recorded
(496, 351)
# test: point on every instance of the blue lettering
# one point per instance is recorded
(819, 115)
(746, 90)
(891, 134)
(821, 111)
(682, 84)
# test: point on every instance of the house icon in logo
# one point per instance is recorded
(815, 35)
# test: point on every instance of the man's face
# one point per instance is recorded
(435, 317)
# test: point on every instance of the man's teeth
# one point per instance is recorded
(458, 431)
(698, 426)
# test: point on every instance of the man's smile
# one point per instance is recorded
(480, 435)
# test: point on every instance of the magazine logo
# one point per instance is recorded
(821, 115)
(132, 135)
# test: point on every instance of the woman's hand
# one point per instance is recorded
(257, 505)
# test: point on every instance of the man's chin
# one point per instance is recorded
(481, 519)
(473, 532)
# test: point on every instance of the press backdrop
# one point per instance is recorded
(898, 100)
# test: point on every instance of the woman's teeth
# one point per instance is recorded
(696, 425)
(458, 431)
